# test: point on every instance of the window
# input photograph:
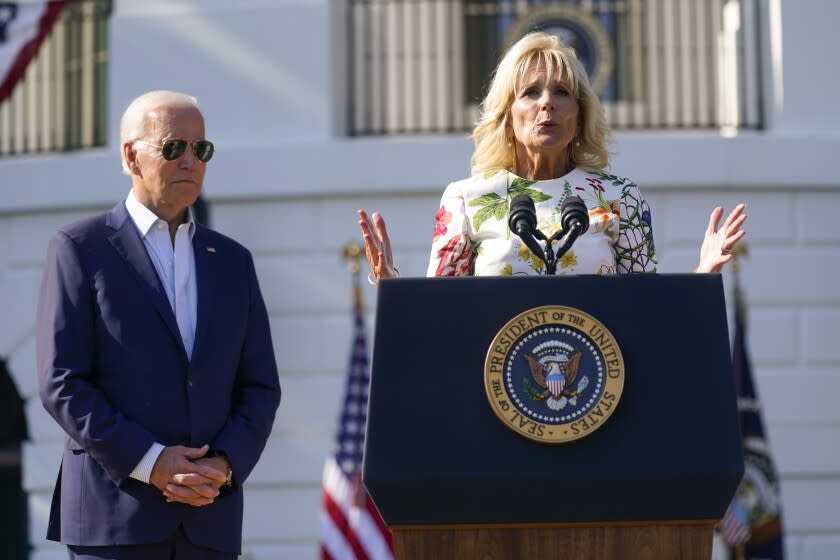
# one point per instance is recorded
(60, 103)
(419, 66)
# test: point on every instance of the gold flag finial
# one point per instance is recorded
(352, 252)
(740, 251)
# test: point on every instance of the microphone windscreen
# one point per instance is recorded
(573, 209)
(522, 208)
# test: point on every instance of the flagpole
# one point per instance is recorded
(764, 536)
(351, 526)
(741, 251)
(352, 253)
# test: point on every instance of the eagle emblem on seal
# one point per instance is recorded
(554, 367)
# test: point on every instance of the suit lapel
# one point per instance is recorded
(205, 270)
(127, 242)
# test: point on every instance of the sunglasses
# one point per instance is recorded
(174, 148)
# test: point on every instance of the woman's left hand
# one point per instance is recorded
(718, 244)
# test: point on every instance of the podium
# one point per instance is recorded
(451, 480)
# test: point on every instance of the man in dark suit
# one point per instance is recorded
(155, 358)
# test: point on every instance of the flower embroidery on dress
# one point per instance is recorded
(442, 219)
(472, 236)
(455, 258)
(648, 222)
(600, 217)
(596, 184)
(525, 254)
(491, 205)
(569, 259)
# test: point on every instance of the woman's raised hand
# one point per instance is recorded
(377, 245)
(718, 243)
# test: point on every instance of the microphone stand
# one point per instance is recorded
(549, 257)
(522, 221)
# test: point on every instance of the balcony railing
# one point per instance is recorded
(60, 104)
(422, 66)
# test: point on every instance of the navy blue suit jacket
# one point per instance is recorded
(113, 372)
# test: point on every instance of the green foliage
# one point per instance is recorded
(530, 391)
(491, 205)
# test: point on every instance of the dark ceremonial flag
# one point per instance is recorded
(752, 525)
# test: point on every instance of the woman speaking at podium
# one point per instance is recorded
(542, 135)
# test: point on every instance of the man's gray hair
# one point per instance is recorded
(133, 121)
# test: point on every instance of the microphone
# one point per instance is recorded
(574, 217)
(573, 212)
(574, 221)
(523, 215)
(522, 221)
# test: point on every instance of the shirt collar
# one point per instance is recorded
(144, 218)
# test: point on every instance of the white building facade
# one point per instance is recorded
(272, 78)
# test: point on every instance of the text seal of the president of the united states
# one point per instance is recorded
(554, 374)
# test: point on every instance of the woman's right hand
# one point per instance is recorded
(377, 245)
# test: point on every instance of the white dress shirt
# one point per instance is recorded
(175, 266)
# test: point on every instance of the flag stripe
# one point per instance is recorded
(380, 524)
(342, 525)
(30, 48)
(333, 542)
(733, 531)
(371, 537)
(370, 531)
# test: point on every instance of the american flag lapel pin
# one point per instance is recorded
(211, 249)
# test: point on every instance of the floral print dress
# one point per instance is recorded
(472, 237)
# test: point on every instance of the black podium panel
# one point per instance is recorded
(437, 454)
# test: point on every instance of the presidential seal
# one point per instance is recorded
(576, 28)
(554, 374)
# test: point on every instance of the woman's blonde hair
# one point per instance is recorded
(494, 150)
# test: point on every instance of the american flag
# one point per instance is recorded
(735, 526)
(351, 527)
(23, 27)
